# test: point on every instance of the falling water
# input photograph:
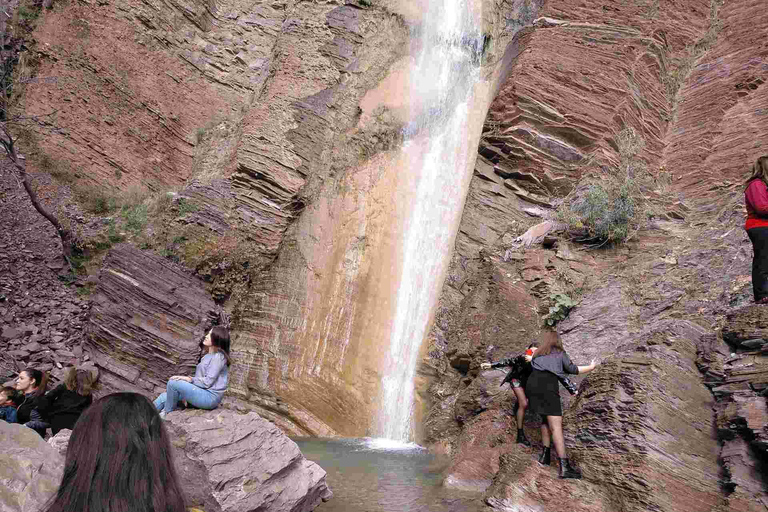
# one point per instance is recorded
(447, 49)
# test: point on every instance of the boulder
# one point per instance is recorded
(147, 320)
(30, 469)
(229, 461)
(60, 441)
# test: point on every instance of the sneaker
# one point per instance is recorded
(162, 415)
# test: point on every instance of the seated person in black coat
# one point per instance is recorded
(70, 399)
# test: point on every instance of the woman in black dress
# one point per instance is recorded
(549, 363)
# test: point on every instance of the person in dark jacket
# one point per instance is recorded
(756, 199)
(517, 378)
(69, 399)
(550, 362)
(31, 383)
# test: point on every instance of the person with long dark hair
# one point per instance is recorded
(32, 383)
(69, 399)
(550, 362)
(756, 199)
(119, 458)
(207, 387)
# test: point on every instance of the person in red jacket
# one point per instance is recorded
(756, 199)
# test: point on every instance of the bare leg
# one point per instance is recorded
(556, 427)
(545, 439)
(522, 404)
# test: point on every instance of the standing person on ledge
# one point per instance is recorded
(756, 199)
(207, 387)
(517, 378)
(550, 363)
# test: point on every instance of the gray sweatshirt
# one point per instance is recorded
(556, 362)
(212, 373)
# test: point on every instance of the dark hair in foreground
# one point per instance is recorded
(549, 342)
(39, 378)
(220, 340)
(10, 393)
(760, 170)
(119, 460)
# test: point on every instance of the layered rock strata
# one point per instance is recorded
(736, 370)
(147, 320)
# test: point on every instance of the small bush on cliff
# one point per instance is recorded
(561, 307)
(608, 208)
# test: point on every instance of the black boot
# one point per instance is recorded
(544, 458)
(568, 471)
(521, 439)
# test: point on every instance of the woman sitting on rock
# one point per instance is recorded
(119, 458)
(30, 412)
(756, 199)
(207, 387)
(70, 399)
(550, 362)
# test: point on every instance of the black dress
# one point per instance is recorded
(543, 389)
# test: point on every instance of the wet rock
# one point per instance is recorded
(147, 320)
(30, 469)
(232, 462)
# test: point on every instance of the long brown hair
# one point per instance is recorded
(81, 382)
(119, 458)
(759, 170)
(549, 341)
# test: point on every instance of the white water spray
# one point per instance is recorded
(448, 49)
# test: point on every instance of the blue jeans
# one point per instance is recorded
(8, 414)
(178, 390)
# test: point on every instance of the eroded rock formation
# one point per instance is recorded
(147, 320)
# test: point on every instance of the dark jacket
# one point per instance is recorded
(556, 362)
(32, 405)
(64, 407)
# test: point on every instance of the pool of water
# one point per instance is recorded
(371, 475)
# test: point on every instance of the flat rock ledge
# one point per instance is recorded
(226, 461)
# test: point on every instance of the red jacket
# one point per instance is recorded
(756, 199)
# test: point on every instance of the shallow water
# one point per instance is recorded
(371, 475)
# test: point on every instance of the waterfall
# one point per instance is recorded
(439, 150)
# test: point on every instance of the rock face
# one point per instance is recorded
(241, 462)
(736, 370)
(147, 320)
(30, 470)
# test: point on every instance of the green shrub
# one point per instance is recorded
(609, 208)
(606, 213)
(135, 217)
(186, 206)
(562, 306)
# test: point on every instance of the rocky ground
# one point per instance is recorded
(43, 307)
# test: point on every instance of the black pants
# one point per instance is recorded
(759, 238)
